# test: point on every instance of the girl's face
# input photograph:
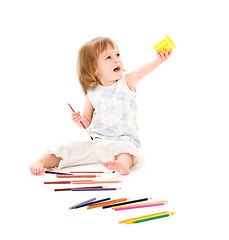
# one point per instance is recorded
(109, 66)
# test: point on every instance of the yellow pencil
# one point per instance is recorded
(138, 204)
(131, 220)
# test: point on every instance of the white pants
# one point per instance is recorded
(101, 150)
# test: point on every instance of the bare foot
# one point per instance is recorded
(117, 166)
(37, 167)
(48, 161)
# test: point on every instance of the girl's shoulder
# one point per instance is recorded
(125, 85)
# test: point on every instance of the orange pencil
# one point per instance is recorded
(77, 176)
(107, 203)
(94, 182)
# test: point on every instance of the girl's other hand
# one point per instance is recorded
(76, 117)
(163, 56)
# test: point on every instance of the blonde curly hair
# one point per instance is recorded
(87, 61)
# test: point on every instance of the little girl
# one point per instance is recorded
(110, 105)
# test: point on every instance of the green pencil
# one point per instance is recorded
(155, 217)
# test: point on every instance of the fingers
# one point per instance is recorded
(76, 116)
(164, 56)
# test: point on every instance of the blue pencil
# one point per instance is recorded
(91, 203)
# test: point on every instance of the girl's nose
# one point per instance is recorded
(116, 59)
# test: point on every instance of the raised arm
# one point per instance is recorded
(134, 77)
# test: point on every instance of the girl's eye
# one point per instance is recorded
(118, 55)
(108, 57)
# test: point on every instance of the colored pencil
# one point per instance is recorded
(59, 173)
(94, 202)
(92, 172)
(106, 203)
(70, 189)
(94, 189)
(77, 176)
(155, 217)
(81, 123)
(131, 220)
(128, 202)
(62, 189)
(95, 182)
(58, 182)
(81, 182)
(140, 206)
(88, 201)
(68, 182)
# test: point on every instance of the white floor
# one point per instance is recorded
(196, 192)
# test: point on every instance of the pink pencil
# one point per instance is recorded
(81, 123)
(68, 182)
(140, 206)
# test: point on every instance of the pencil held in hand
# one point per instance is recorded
(81, 123)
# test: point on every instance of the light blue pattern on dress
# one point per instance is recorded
(124, 116)
(107, 93)
(133, 104)
(121, 96)
(110, 109)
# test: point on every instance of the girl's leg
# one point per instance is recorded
(123, 162)
(48, 161)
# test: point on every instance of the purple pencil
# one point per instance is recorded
(94, 189)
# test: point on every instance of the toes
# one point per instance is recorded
(40, 170)
(104, 164)
(36, 170)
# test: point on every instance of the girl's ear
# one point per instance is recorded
(96, 71)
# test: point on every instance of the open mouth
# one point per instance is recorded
(117, 69)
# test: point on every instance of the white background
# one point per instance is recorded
(183, 115)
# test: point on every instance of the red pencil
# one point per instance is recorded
(59, 182)
(81, 123)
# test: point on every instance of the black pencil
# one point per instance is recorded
(59, 173)
(127, 202)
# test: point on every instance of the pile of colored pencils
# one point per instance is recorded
(83, 181)
(117, 204)
(123, 203)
